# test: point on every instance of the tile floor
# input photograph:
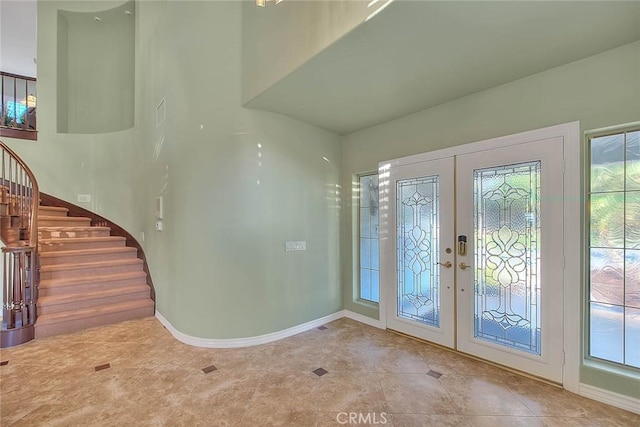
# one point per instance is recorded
(136, 374)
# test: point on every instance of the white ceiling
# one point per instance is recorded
(418, 54)
(18, 47)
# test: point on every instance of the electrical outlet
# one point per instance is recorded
(84, 198)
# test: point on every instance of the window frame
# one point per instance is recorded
(589, 360)
(357, 235)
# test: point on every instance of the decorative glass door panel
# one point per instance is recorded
(507, 234)
(509, 204)
(421, 203)
(418, 255)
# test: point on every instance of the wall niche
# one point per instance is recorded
(96, 70)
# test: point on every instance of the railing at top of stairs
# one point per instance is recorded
(19, 200)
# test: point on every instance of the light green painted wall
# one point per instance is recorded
(236, 184)
(277, 39)
(219, 266)
(600, 91)
(62, 60)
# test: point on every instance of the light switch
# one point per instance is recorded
(84, 198)
(300, 245)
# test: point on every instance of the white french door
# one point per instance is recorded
(477, 258)
(422, 196)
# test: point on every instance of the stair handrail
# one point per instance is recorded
(35, 192)
(20, 254)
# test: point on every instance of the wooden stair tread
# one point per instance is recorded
(72, 228)
(52, 208)
(63, 218)
(84, 252)
(79, 239)
(93, 279)
(100, 310)
(69, 298)
(90, 265)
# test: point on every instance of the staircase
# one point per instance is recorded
(88, 278)
(59, 273)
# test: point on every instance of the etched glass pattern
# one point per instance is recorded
(614, 248)
(368, 214)
(418, 250)
(507, 255)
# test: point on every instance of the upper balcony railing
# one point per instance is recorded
(18, 113)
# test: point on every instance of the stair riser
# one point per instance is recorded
(89, 272)
(69, 246)
(90, 322)
(79, 305)
(65, 222)
(87, 257)
(50, 212)
(65, 289)
(47, 234)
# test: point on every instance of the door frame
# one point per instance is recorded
(572, 219)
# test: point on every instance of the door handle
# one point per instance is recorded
(445, 264)
(464, 266)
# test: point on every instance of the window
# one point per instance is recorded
(368, 238)
(614, 246)
(18, 108)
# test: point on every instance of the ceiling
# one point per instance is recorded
(419, 54)
(18, 36)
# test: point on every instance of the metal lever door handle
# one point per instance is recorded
(445, 264)
(464, 266)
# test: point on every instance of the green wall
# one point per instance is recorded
(600, 91)
(236, 183)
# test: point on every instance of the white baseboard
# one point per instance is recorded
(263, 339)
(249, 341)
(363, 319)
(610, 398)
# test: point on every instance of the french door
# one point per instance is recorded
(422, 273)
(477, 263)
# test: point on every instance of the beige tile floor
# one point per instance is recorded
(152, 379)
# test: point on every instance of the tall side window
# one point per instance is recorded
(368, 238)
(614, 247)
